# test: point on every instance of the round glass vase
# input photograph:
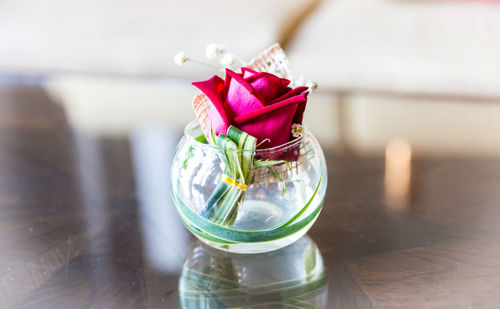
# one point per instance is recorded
(276, 206)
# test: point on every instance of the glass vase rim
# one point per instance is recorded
(288, 145)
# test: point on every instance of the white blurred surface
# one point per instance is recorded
(108, 106)
(134, 37)
(433, 127)
(409, 46)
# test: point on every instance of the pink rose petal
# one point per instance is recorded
(241, 97)
(268, 86)
(218, 118)
(272, 122)
(248, 72)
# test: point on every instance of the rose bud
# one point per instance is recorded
(258, 103)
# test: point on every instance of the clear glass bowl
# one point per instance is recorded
(280, 203)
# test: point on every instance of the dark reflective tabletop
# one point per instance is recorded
(87, 221)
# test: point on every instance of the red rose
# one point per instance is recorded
(258, 103)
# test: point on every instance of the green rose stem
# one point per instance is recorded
(237, 150)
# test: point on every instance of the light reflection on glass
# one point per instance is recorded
(292, 277)
(165, 238)
(397, 173)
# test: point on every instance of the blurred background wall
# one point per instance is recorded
(425, 71)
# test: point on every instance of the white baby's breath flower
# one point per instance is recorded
(228, 60)
(312, 85)
(297, 130)
(215, 50)
(180, 58)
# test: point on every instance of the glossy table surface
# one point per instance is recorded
(87, 221)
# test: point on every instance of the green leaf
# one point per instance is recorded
(246, 145)
(269, 164)
(265, 163)
(212, 204)
(202, 139)
(229, 149)
(277, 175)
(236, 152)
(222, 234)
(304, 208)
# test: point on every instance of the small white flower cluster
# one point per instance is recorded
(227, 59)
(297, 130)
(312, 85)
(180, 58)
(213, 50)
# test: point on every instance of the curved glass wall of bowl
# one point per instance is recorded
(283, 196)
(292, 277)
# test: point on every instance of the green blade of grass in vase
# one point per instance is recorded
(236, 152)
(237, 236)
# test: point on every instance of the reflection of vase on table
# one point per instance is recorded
(293, 276)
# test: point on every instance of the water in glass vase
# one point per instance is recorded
(276, 206)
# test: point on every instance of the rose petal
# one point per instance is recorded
(285, 82)
(269, 86)
(300, 110)
(247, 72)
(218, 118)
(302, 106)
(241, 98)
(289, 94)
(272, 122)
